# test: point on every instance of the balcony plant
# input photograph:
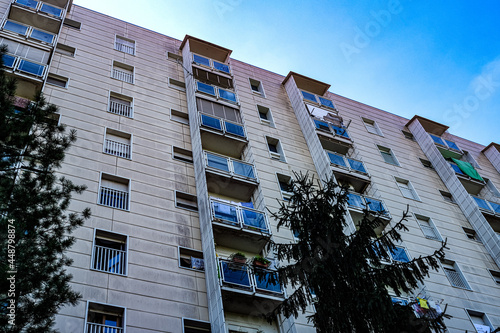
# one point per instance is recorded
(261, 262)
(238, 258)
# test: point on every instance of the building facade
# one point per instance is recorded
(184, 150)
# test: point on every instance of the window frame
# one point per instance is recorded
(471, 232)
(390, 152)
(260, 87)
(426, 163)
(408, 135)
(495, 275)
(176, 84)
(447, 197)
(123, 98)
(116, 179)
(431, 224)
(201, 329)
(96, 230)
(117, 133)
(124, 67)
(185, 206)
(185, 160)
(456, 268)
(64, 47)
(127, 40)
(280, 154)
(179, 116)
(282, 178)
(124, 313)
(188, 252)
(411, 188)
(484, 317)
(59, 78)
(269, 121)
(373, 123)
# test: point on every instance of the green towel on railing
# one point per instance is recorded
(468, 169)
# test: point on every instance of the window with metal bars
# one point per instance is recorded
(428, 228)
(454, 275)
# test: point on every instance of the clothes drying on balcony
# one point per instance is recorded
(468, 169)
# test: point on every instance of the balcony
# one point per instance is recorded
(238, 226)
(29, 32)
(360, 202)
(122, 108)
(472, 181)
(448, 149)
(320, 101)
(217, 92)
(231, 177)
(212, 64)
(119, 149)
(37, 13)
(221, 135)
(349, 170)
(328, 131)
(109, 260)
(243, 287)
(487, 207)
(111, 197)
(24, 66)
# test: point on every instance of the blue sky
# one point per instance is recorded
(440, 60)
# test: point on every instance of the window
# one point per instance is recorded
(256, 87)
(174, 57)
(104, 318)
(495, 275)
(218, 110)
(408, 135)
(176, 84)
(125, 45)
(372, 127)
(182, 154)
(454, 274)
(109, 253)
(480, 321)
(114, 192)
(265, 115)
(426, 163)
(120, 105)
(65, 49)
(118, 143)
(447, 196)
(388, 155)
(285, 184)
(471, 234)
(275, 149)
(428, 228)
(195, 326)
(191, 259)
(179, 116)
(186, 201)
(399, 254)
(122, 72)
(57, 80)
(72, 24)
(407, 189)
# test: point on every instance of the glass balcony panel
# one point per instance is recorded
(437, 140)
(337, 159)
(221, 67)
(235, 273)
(51, 10)
(201, 60)
(399, 254)
(42, 36)
(340, 131)
(482, 203)
(15, 27)
(375, 205)
(8, 60)
(495, 206)
(254, 219)
(205, 88)
(355, 200)
(31, 67)
(243, 169)
(28, 3)
(227, 95)
(452, 145)
(225, 212)
(217, 162)
(457, 169)
(263, 281)
(321, 125)
(326, 102)
(309, 96)
(235, 129)
(211, 122)
(357, 165)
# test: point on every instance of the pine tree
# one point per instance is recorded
(33, 213)
(342, 273)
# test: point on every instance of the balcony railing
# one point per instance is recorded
(361, 202)
(117, 148)
(122, 75)
(317, 99)
(242, 217)
(100, 328)
(230, 166)
(109, 260)
(113, 198)
(29, 32)
(23, 65)
(216, 92)
(242, 277)
(218, 66)
(328, 127)
(347, 163)
(445, 143)
(40, 7)
(121, 109)
(124, 48)
(490, 207)
(222, 125)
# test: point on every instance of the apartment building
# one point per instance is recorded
(185, 149)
